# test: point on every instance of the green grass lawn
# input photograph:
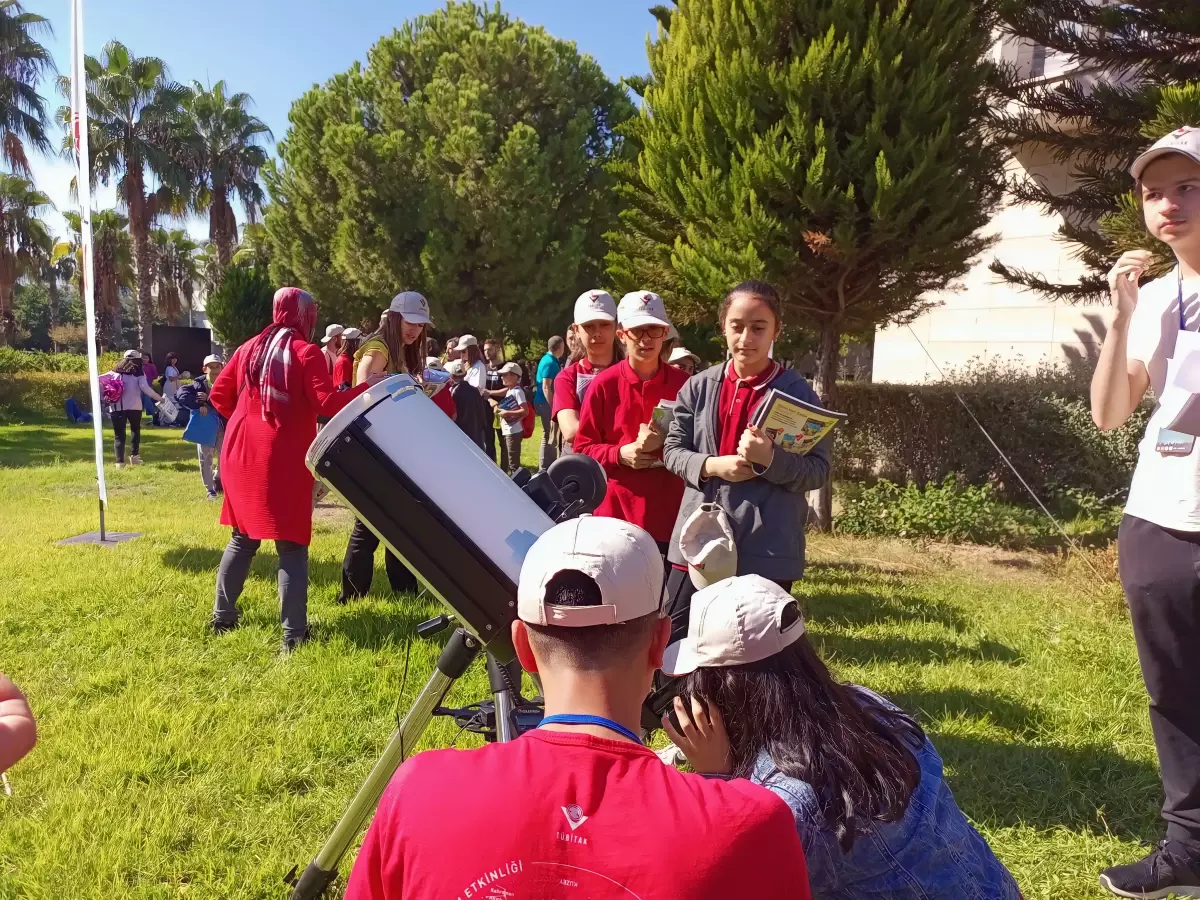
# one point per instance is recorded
(175, 764)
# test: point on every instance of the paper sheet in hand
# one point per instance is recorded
(1180, 401)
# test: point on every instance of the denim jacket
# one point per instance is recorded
(932, 853)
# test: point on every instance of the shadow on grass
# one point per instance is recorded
(863, 651)
(934, 705)
(48, 443)
(859, 602)
(1085, 789)
(205, 560)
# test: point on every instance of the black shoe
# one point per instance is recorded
(291, 644)
(1166, 872)
(217, 627)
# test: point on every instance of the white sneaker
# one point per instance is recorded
(120, 465)
(135, 460)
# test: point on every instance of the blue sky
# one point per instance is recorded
(276, 50)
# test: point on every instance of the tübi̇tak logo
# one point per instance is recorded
(575, 816)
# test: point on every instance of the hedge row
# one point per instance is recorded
(42, 393)
(14, 361)
(921, 434)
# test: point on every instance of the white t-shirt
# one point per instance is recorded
(514, 426)
(476, 376)
(1165, 488)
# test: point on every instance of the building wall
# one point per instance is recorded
(985, 318)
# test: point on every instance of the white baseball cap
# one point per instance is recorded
(642, 308)
(595, 306)
(352, 334)
(133, 354)
(413, 307)
(1186, 141)
(621, 558)
(510, 368)
(682, 353)
(210, 359)
(706, 542)
(735, 622)
(455, 367)
(432, 362)
(467, 340)
(331, 332)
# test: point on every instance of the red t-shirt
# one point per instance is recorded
(560, 816)
(444, 400)
(737, 402)
(617, 404)
(343, 370)
(571, 384)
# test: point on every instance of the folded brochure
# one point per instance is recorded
(794, 426)
(433, 380)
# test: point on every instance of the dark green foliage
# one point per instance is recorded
(1042, 422)
(1132, 54)
(467, 161)
(22, 361)
(837, 149)
(42, 393)
(241, 305)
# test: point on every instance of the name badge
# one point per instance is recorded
(1174, 443)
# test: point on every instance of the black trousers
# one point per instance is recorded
(358, 566)
(121, 417)
(1160, 571)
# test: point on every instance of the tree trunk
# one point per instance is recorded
(52, 288)
(821, 500)
(8, 280)
(143, 257)
(218, 226)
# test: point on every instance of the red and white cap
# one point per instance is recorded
(621, 558)
(642, 308)
(595, 306)
(413, 307)
(1185, 141)
(734, 622)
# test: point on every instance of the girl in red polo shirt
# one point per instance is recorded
(722, 460)
(615, 429)
(596, 348)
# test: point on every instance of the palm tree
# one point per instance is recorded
(176, 271)
(255, 248)
(135, 113)
(54, 269)
(112, 267)
(23, 63)
(21, 234)
(224, 158)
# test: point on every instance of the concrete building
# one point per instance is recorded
(984, 317)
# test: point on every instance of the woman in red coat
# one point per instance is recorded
(271, 393)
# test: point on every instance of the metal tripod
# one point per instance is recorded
(502, 718)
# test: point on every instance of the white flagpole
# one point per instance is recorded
(84, 185)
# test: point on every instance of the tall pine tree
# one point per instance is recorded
(838, 149)
(1125, 59)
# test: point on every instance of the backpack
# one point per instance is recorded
(527, 422)
(112, 385)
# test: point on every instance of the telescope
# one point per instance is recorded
(421, 485)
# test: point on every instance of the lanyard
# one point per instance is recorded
(1182, 321)
(574, 719)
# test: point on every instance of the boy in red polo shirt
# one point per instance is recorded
(614, 426)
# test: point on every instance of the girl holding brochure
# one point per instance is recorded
(723, 460)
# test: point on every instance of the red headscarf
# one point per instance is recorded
(294, 314)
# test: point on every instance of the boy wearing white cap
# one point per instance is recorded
(760, 704)
(332, 345)
(194, 396)
(588, 811)
(595, 330)
(1153, 329)
(615, 425)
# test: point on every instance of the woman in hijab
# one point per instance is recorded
(271, 393)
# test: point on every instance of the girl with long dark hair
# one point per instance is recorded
(271, 393)
(343, 368)
(865, 785)
(127, 412)
(397, 346)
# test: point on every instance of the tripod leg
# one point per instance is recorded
(460, 651)
(506, 688)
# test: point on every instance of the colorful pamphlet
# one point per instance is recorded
(794, 426)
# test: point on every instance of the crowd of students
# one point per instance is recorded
(855, 801)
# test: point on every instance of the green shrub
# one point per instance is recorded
(240, 307)
(41, 393)
(14, 361)
(1042, 421)
(962, 513)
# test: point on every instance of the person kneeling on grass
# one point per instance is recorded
(864, 783)
(585, 810)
